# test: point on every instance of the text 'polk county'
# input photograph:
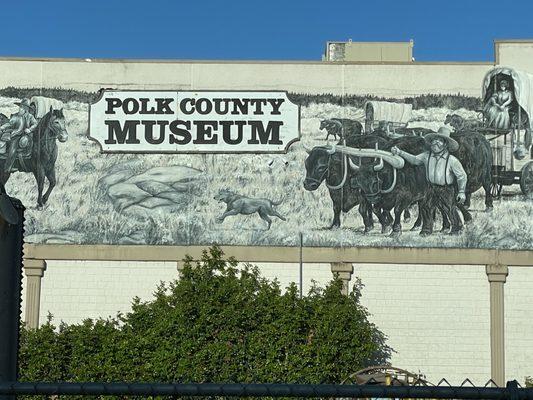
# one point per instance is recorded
(194, 121)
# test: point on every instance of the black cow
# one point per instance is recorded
(475, 155)
(388, 188)
(341, 128)
(335, 171)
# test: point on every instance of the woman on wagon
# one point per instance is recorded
(497, 108)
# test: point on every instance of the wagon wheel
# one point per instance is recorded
(496, 190)
(526, 179)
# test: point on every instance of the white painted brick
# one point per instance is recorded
(435, 317)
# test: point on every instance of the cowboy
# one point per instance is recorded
(445, 175)
(11, 132)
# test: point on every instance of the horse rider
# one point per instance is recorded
(20, 123)
(445, 175)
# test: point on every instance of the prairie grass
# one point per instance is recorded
(80, 203)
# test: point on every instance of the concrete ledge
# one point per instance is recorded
(390, 255)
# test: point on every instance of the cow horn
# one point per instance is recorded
(395, 161)
(353, 165)
(307, 149)
(379, 167)
(331, 149)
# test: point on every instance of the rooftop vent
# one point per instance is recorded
(369, 51)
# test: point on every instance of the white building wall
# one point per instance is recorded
(75, 290)
(388, 80)
(519, 323)
(517, 54)
(436, 317)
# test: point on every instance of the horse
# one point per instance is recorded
(43, 155)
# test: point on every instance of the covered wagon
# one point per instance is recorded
(386, 114)
(41, 105)
(507, 110)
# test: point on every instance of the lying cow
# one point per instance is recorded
(341, 128)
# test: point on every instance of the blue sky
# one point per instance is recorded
(257, 30)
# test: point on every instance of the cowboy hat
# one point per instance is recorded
(25, 103)
(443, 133)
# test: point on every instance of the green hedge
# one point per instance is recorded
(215, 324)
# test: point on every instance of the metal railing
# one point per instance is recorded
(512, 391)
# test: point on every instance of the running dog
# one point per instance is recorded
(237, 204)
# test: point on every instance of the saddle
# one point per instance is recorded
(24, 148)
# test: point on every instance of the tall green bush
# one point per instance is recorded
(217, 323)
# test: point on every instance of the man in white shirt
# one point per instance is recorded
(445, 175)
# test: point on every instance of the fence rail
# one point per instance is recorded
(511, 392)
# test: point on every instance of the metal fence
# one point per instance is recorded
(512, 391)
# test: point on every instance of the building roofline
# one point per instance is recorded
(190, 61)
(513, 40)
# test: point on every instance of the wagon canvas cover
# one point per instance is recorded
(390, 112)
(523, 87)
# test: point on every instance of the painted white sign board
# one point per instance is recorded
(194, 122)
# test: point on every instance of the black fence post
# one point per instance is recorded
(11, 254)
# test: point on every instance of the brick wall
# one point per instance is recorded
(436, 317)
(74, 290)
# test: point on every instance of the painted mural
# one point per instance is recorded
(427, 171)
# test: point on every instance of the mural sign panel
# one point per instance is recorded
(266, 167)
(189, 122)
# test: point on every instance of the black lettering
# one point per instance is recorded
(204, 106)
(218, 106)
(177, 131)
(240, 106)
(112, 103)
(226, 131)
(276, 104)
(183, 106)
(128, 134)
(149, 131)
(163, 106)
(258, 103)
(204, 132)
(258, 129)
(130, 106)
(144, 106)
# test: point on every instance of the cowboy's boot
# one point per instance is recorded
(10, 160)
